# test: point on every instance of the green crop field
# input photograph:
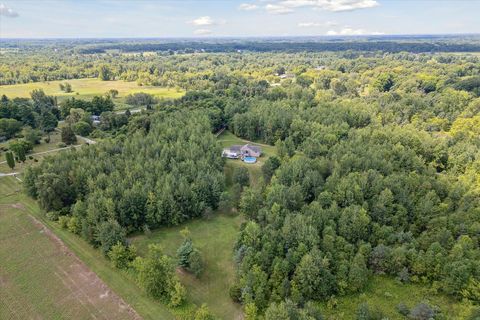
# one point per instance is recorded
(88, 88)
(39, 277)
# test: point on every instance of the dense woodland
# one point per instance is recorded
(377, 167)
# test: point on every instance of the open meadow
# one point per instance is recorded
(87, 89)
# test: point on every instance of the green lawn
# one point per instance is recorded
(88, 88)
(386, 293)
(215, 238)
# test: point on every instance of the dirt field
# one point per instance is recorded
(40, 278)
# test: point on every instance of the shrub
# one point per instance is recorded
(52, 215)
(63, 221)
(422, 311)
(121, 256)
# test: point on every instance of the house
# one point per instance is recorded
(238, 151)
(251, 151)
(233, 152)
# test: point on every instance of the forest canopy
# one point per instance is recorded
(160, 176)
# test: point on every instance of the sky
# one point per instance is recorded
(225, 18)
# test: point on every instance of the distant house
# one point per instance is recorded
(95, 119)
(251, 151)
(238, 151)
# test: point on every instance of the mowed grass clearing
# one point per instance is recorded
(39, 277)
(215, 238)
(88, 88)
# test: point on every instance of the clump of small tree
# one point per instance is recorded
(66, 87)
(68, 136)
(189, 257)
(156, 275)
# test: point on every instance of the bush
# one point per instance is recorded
(82, 128)
(63, 221)
(74, 225)
(61, 145)
(121, 256)
(403, 309)
(422, 311)
(52, 215)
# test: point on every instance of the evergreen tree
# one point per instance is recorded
(10, 159)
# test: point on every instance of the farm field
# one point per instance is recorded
(87, 89)
(39, 276)
(16, 209)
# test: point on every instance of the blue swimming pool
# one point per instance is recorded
(249, 159)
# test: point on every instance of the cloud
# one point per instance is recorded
(206, 21)
(317, 24)
(287, 6)
(277, 9)
(202, 32)
(7, 12)
(248, 7)
(347, 31)
(203, 21)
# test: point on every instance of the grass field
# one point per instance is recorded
(386, 293)
(55, 139)
(215, 238)
(39, 277)
(88, 88)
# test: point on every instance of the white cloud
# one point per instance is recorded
(347, 31)
(317, 24)
(7, 12)
(248, 7)
(287, 6)
(277, 9)
(202, 32)
(203, 21)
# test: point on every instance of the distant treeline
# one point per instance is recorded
(285, 46)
